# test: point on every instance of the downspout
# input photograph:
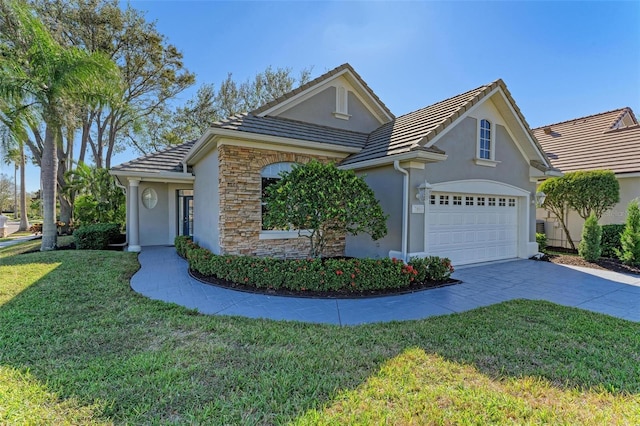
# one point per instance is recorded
(405, 201)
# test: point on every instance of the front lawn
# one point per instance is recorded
(77, 345)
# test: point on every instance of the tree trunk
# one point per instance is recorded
(15, 191)
(66, 204)
(48, 177)
(24, 220)
(66, 210)
(566, 232)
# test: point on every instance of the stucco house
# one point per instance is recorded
(608, 140)
(457, 178)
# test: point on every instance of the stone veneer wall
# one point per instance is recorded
(240, 186)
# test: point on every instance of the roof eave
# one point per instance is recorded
(154, 176)
(425, 156)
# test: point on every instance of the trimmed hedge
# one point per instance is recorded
(95, 236)
(541, 239)
(611, 240)
(342, 275)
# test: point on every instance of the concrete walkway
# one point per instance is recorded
(12, 227)
(163, 276)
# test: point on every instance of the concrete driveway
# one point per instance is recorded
(163, 276)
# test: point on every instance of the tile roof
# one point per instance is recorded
(319, 79)
(287, 128)
(167, 160)
(413, 130)
(409, 132)
(593, 142)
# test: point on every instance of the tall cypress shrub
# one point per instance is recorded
(589, 248)
(630, 239)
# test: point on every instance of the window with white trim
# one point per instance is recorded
(502, 202)
(457, 200)
(484, 143)
(444, 200)
(512, 202)
(271, 174)
(492, 201)
(432, 199)
(468, 201)
(481, 201)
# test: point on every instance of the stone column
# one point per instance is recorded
(134, 231)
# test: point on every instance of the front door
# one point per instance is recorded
(187, 215)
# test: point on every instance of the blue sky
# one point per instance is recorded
(560, 60)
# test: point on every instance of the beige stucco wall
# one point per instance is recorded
(319, 110)
(460, 145)
(159, 226)
(206, 203)
(387, 186)
(629, 190)
(153, 223)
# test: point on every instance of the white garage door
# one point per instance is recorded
(471, 228)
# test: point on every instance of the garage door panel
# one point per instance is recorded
(473, 231)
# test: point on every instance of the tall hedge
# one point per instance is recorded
(95, 236)
(610, 243)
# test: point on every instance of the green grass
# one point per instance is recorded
(78, 346)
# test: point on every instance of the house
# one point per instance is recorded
(457, 178)
(609, 140)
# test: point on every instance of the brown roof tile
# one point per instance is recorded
(410, 131)
(167, 160)
(593, 142)
(287, 128)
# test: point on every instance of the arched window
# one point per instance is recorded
(270, 174)
(484, 150)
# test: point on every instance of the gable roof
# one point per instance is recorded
(167, 160)
(415, 130)
(599, 141)
(287, 128)
(342, 69)
(409, 134)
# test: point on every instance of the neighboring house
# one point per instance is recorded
(609, 140)
(457, 178)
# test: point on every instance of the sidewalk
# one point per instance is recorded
(12, 229)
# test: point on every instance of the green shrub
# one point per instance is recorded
(610, 243)
(95, 236)
(541, 239)
(313, 274)
(432, 268)
(630, 238)
(589, 248)
(181, 242)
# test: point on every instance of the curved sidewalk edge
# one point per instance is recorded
(163, 276)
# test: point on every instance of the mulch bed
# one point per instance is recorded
(320, 294)
(614, 265)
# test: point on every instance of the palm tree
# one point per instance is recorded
(39, 76)
(13, 147)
